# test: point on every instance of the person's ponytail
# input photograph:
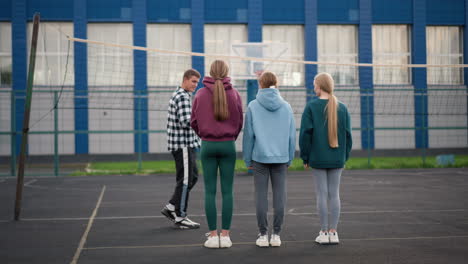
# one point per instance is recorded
(325, 82)
(218, 71)
(332, 117)
(221, 111)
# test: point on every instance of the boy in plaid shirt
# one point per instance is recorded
(182, 142)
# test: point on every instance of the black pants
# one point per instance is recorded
(186, 177)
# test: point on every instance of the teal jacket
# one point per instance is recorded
(313, 139)
(269, 129)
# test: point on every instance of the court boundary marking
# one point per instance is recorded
(88, 228)
(239, 214)
(284, 241)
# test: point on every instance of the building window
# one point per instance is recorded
(54, 67)
(53, 51)
(391, 45)
(168, 69)
(292, 37)
(109, 65)
(338, 44)
(219, 40)
(444, 46)
(5, 55)
(110, 88)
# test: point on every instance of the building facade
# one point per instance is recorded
(346, 31)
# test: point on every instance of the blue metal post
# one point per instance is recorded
(198, 20)
(140, 80)
(255, 18)
(310, 33)
(19, 67)
(366, 75)
(81, 77)
(420, 74)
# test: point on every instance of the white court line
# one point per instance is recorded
(30, 182)
(88, 228)
(242, 214)
(56, 219)
(292, 241)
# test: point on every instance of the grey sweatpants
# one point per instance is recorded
(262, 173)
(327, 189)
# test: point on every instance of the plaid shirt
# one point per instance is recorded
(179, 132)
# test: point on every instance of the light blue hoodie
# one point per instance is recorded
(269, 129)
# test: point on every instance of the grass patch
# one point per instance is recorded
(168, 166)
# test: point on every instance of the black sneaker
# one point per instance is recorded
(168, 213)
(186, 224)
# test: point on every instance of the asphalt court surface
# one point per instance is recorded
(388, 216)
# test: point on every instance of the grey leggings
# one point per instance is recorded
(327, 188)
(262, 173)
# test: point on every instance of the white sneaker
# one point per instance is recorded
(323, 238)
(211, 241)
(334, 238)
(225, 242)
(262, 240)
(275, 240)
(186, 223)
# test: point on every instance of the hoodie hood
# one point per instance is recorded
(270, 98)
(209, 82)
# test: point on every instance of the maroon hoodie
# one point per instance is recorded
(202, 119)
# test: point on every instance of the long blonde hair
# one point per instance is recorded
(218, 71)
(325, 82)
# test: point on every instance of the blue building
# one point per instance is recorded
(345, 31)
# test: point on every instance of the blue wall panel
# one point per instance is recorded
(445, 12)
(465, 52)
(51, 9)
(395, 11)
(140, 84)
(109, 10)
(310, 34)
(280, 11)
(169, 11)
(465, 44)
(254, 35)
(81, 77)
(420, 74)
(19, 64)
(198, 18)
(226, 11)
(366, 75)
(5, 10)
(338, 11)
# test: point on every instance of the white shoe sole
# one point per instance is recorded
(275, 244)
(225, 244)
(210, 246)
(262, 244)
(322, 242)
(216, 245)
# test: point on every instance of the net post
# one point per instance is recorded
(27, 112)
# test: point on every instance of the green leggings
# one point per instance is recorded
(222, 155)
